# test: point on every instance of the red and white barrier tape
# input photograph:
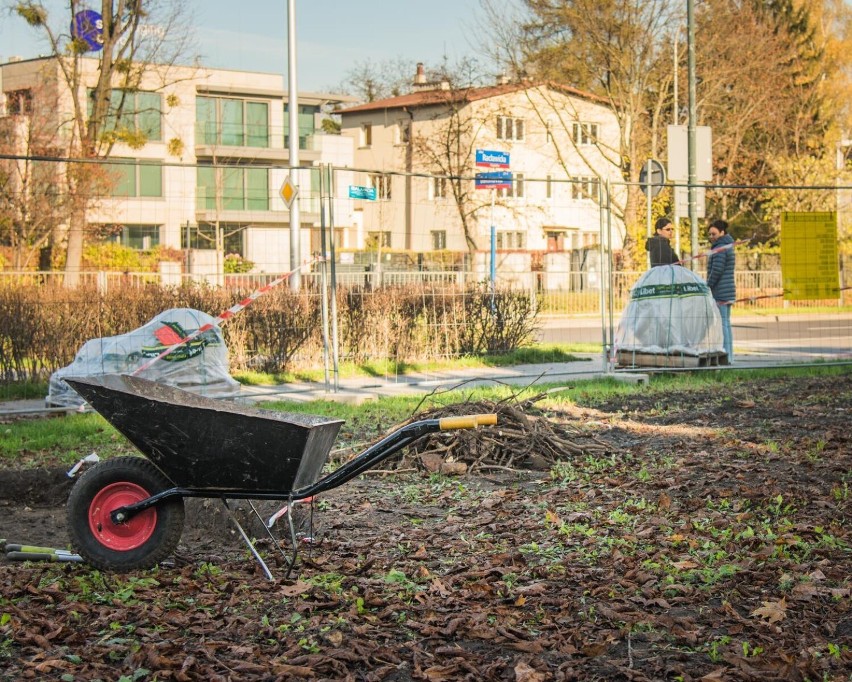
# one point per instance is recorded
(226, 315)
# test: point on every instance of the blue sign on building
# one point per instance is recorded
(492, 159)
(358, 192)
(495, 180)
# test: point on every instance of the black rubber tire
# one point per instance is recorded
(132, 471)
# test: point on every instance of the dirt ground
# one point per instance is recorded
(710, 539)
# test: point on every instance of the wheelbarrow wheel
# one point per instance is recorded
(146, 538)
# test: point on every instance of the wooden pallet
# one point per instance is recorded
(630, 359)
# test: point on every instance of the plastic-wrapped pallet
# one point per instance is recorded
(200, 365)
(671, 314)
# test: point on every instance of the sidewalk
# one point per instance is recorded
(357, 390)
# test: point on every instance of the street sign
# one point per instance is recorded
(288, 191)
(681, 202)
(88, 26)
(490, 159)
(495, 180)
(679, 153)
(657, 178)
(360, 192)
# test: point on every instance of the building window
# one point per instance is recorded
(585, 133)
(584, 188)
(136, 179)
(241, 188)
(366, 135)
(306, 120)
(439, 240)
(509, 128)
(516, 191)
(378, 239)
(231, 122)
(510, 239)
(141, 112)
(382, 185)
(402, 133)
(438, 188)
(19, 102)
(143, 237)
(548, 187)
(555, 241)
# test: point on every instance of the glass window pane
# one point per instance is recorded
(206, 189)
(233, 194)
(257, 185)
(148, 115)
(257, 124)
(124, 179)
(150, 180)
(232, 122)
(205, 120)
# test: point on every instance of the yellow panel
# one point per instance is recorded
(809, 264)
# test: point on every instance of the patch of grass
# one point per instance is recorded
(539, 353)
(58, 440)
(23, 391)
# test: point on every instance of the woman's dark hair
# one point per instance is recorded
(661, 223)
(720, 225)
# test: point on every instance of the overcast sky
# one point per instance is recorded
(332, 35)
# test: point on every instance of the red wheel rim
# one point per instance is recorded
(121, 537)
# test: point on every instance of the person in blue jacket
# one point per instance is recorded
(720, 279)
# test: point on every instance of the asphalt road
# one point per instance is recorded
(800, 336)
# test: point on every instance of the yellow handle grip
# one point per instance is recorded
(467, 422)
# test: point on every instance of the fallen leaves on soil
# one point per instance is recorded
(709, 540)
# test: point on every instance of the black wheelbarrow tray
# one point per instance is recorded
(127, 513)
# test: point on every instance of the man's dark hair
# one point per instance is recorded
(721, 225)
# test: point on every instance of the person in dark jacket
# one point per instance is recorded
(720, 279)
(658, 246)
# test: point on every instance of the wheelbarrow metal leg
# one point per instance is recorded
(248, 542)
(272, 537)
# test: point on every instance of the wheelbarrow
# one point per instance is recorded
(127, 513)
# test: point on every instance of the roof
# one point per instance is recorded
(437, 96)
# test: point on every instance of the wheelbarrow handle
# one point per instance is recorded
(470, 421)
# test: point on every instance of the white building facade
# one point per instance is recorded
(214, 158)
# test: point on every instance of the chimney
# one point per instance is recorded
(502, 79)
(420, 76)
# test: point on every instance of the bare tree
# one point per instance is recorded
(619, 51)
(139, 37)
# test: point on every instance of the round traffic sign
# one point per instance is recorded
(655, 181)
(88, 26)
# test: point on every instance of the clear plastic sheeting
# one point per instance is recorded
(199, 365)
(671, 312)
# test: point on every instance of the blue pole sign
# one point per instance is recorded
(88, 26)
(359, 192)
(492, 159)
(494, 180)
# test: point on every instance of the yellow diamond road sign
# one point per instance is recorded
(288, 191)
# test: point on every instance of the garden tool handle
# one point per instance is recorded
(467, 422)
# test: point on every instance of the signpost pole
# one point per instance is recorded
(493, 243)
(649, 198)
(293, 110)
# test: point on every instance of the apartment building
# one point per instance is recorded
(214, 159)
(558, 142)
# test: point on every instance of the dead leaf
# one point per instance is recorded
(664, 501)
(297, 588)
(772, 611)
(685, 565)
(525, 673)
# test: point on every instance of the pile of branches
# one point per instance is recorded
(524, 438)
